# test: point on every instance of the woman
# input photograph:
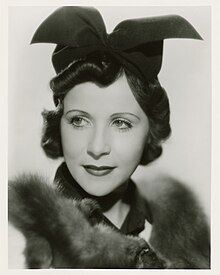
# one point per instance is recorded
(111, 115)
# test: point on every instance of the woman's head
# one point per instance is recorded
(102, 88)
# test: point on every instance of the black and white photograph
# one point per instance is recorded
(109, 137)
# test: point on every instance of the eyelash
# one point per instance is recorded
(73, 122)
(127, 127)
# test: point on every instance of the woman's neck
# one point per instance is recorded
(113, 205)
(117, 213)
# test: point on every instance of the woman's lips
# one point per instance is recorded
(98, 170)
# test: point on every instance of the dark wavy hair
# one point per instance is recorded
(103, 69)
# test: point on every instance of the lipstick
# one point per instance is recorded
(98, 170)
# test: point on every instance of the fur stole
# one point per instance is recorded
(180, 231)
(60, 232)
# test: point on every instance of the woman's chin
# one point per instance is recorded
(97, 186)
(98, 193)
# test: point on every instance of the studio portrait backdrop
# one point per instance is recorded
(185, 75)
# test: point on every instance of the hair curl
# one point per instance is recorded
(103, 69)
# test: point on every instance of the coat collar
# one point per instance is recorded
(139, 209)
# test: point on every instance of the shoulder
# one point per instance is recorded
(180, 231)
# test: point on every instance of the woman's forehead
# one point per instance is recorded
(92, 98)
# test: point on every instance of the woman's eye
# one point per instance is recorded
(122, 124)
(79, 122)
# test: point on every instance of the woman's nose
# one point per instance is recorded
(98, 145)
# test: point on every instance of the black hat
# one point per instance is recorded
(136, 43)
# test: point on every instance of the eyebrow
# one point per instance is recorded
(125, 113)
(113, 115)
(78, 111)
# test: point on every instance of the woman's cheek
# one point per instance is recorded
(129, 148)
(74, 142)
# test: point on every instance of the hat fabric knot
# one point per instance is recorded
(136, 43)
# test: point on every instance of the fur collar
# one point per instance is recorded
(139, 209)
(69, 236)
(180, 232)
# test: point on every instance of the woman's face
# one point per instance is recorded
(103, 133)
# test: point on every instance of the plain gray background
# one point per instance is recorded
(185, 74)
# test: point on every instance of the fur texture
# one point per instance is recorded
(60, 233)
(180, 233)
